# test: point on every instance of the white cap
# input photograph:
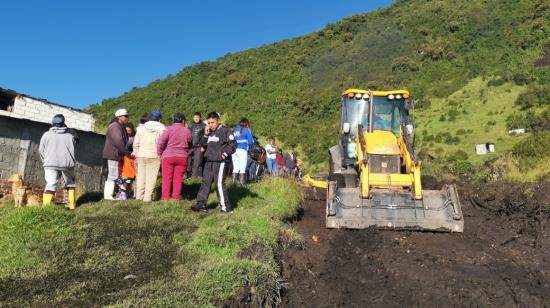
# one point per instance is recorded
(121, 112)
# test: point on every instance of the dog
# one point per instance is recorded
(22, 194)
(18, 190)
(32, 200)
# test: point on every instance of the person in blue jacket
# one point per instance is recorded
(244, 139)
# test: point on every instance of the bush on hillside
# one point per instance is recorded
(496, 82)
(532, 150)
(536, 96)
(531, 120)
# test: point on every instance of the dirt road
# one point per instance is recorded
(501, 259)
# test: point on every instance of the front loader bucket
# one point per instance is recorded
(388, 209)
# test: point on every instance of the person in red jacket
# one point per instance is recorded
(172, 148)
(280, 162)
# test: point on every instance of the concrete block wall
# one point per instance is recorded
(41, 111)
(19, 142)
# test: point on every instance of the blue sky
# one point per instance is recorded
(78, 53)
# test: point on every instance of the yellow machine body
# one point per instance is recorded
(375, 177)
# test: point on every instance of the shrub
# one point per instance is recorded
(536, 96)
(404, 64)
(496, 82)
(532, 150)
(522, 78)
(423, 104)
(462, 168)
(458, 155)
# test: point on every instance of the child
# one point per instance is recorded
(127, 168)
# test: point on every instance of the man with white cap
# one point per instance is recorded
(57, 152)
(115, 148)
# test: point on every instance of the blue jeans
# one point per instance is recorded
(271, 166)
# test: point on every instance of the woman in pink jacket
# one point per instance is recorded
(172, 148)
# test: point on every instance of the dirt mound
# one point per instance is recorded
(501, 259)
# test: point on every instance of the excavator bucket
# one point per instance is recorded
(439, 210)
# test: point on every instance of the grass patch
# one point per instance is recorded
(157, 254)
(472, 115)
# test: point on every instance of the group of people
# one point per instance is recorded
(278, 164)
(134, 157)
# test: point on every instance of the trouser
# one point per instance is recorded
(289, 172)
(52, 178)
(214, 172)
(148, 170)
(239, 159)
(271, 166)
(112, 168)
(173, 172)
(196, 162)
(252, 170)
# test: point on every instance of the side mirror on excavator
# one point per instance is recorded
(346, 128)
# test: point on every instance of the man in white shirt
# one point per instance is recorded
(271, 161)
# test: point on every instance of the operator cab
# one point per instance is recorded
(387, 110)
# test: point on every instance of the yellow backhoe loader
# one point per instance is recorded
(375, 178)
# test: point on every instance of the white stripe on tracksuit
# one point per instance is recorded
(220, 188)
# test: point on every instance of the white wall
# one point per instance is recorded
(28, 108)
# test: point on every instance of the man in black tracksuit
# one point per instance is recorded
(220, 145)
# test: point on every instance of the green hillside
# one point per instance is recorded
(476, 69)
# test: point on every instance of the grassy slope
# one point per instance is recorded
(476, 105)
(52, 256)
(433, 48)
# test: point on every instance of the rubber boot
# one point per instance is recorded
(47, 198)
(234, 179)
(72, 198)
(242, 179)
(109, 190)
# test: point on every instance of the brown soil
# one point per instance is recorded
(501, 259)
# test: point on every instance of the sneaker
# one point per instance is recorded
(199, 208)
(229, 210)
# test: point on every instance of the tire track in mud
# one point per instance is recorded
(502, 258)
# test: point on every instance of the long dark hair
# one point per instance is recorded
(244, 123)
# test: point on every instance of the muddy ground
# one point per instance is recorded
(501, 259)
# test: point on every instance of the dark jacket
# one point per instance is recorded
(220, 144)
(197, 130)
(290, 162)
(116, 139)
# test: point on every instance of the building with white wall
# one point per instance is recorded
(22, 106)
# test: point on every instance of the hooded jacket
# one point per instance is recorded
(146, 140)
(220, 144)
(57, 148)
(115, 142)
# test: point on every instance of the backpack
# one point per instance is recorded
(257, 152)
